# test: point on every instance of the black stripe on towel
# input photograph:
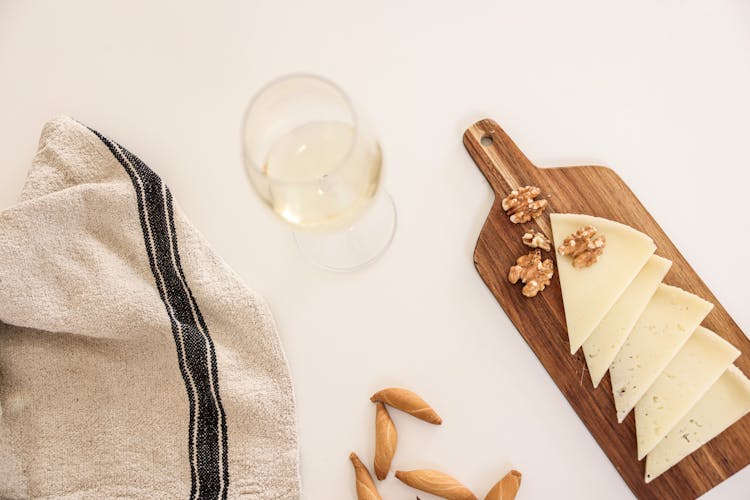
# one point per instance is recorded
(212, 351)
(207, 440)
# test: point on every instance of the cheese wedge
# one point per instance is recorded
(727, 401)
(589, 293)
(605, 341)
(670, 317)
(698, 365)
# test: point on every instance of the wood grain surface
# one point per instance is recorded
(598, 191)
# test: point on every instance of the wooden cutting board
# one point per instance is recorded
(595, 191)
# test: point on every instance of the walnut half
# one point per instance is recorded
(534, 239)
(585, 246)
(521, 206)
(534, 273)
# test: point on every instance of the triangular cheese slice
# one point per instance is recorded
(670, 317)
(727, 401)
(605, 341)
(589, 293)
(700, 363)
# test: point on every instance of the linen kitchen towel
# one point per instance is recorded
(133, 362)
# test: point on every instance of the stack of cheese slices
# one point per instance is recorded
(677, 375)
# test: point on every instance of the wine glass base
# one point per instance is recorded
(357, 246)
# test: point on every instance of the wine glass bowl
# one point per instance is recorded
(314, 161)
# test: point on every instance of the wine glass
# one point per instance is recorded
(315, 162)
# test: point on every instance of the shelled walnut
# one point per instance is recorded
(533, 272)
(535, 239)
(521, 206)
(585, 246)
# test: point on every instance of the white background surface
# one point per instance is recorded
(657, 90)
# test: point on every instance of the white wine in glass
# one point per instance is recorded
(332, 200)
(315, 163)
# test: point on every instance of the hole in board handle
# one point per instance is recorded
(486, 140)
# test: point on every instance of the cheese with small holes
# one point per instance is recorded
(670, 317)
(700, 363)
(589, 293)
(605, 341)
(727, 401)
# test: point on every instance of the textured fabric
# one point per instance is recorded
(133, 362)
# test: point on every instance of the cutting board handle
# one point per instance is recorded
(504, 165)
